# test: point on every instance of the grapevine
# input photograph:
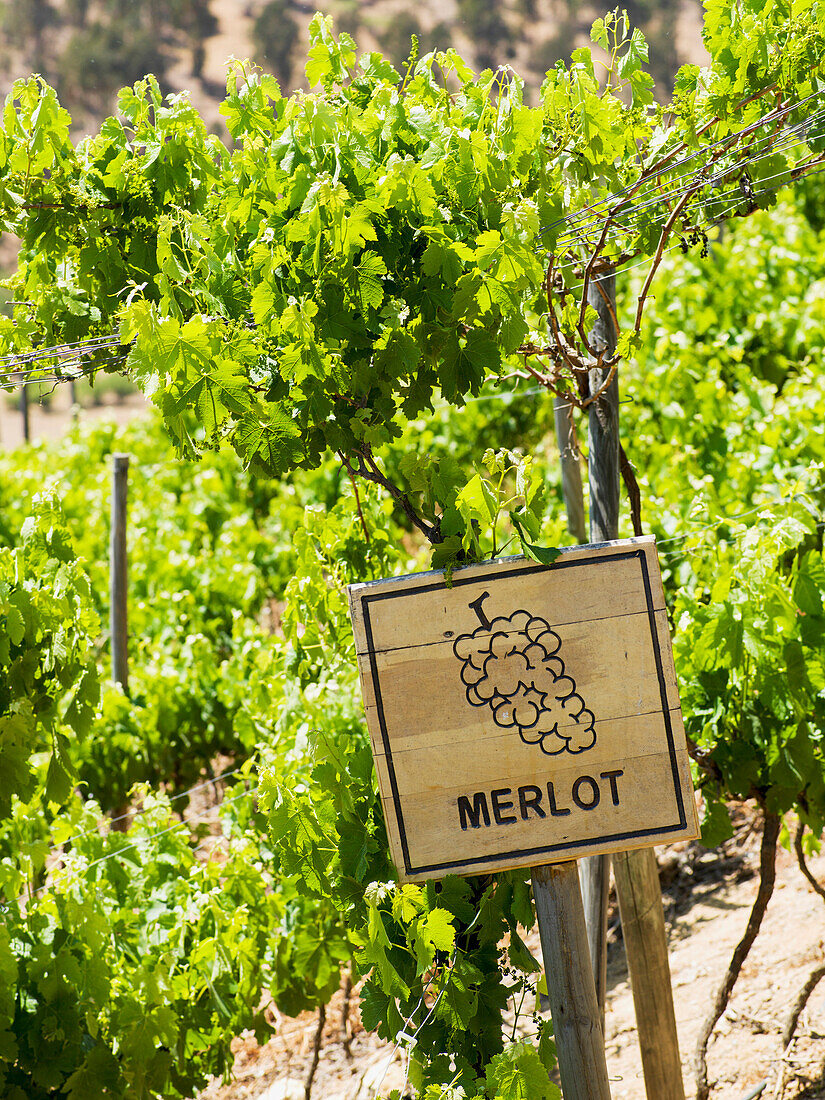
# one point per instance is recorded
(306, 295)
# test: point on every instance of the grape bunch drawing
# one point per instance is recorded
(511, 665)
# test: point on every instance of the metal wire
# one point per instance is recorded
(612, 199)
(112, 361)
(790, 140)
(58, 351)
(183, 823)
(721, 220)
(734, 193)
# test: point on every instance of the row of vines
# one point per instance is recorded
(349, 299)
(133, 952)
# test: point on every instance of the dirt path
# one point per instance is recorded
(52, 422)
(746, 1046)
(744, 1052)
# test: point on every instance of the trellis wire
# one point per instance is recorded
(709, 225)
(183, 823)
(612, 199)
(694, 187)
(790, 139)
(737, 200)
(684, 160)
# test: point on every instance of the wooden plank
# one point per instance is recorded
(429, 614)
(118, 573)
(603, 478)
(577, 1026)
(524, 713)
(571, 475)
(617, 664)
(643, 930)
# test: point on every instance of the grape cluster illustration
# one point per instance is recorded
(511, 665)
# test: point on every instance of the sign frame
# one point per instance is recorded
(365, 599)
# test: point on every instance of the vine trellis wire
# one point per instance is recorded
(715, 187)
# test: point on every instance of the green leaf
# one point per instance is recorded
(370, 271)
(15, 625)
(716, 824)
(268, 441)
(518, 1074)
(544, 554)
(635, 55)
(476, 501)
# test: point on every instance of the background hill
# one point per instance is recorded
(90, 48)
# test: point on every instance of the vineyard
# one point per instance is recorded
(355, 323)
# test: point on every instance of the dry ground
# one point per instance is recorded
(708, 907)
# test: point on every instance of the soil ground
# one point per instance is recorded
(707, 905)
(707, 898)
(51, 422)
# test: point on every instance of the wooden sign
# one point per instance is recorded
(524, 714)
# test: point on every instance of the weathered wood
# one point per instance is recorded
(637, 881)
(24, 411)
(577, 1023)
(571, 474)
(594, 878)
(643, 929)
(603, 424)
(118, 573)
(478, 773)
(603, 476)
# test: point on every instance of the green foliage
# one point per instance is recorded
(726, 434)
(355, 260)
(358, 251)
(48, 676)
(750, 653)
(130, 975)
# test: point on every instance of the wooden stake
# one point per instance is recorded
(637, 878)
(118, 572)
(577, 1023)
(643, 928)
(571, 475)
(603, 472)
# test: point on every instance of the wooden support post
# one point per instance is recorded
(24, 411)
(577, 1023)
(643, 928)
(118, 572)
(571, 487)
(571, 475)
(603, 474)
(637, 879)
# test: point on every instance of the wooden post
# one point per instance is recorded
(637, 878)
(24, 411)
(603, 474)
(571, 487)
(577, 1023)
(643, 928)
(118, 571)
(571, 475)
